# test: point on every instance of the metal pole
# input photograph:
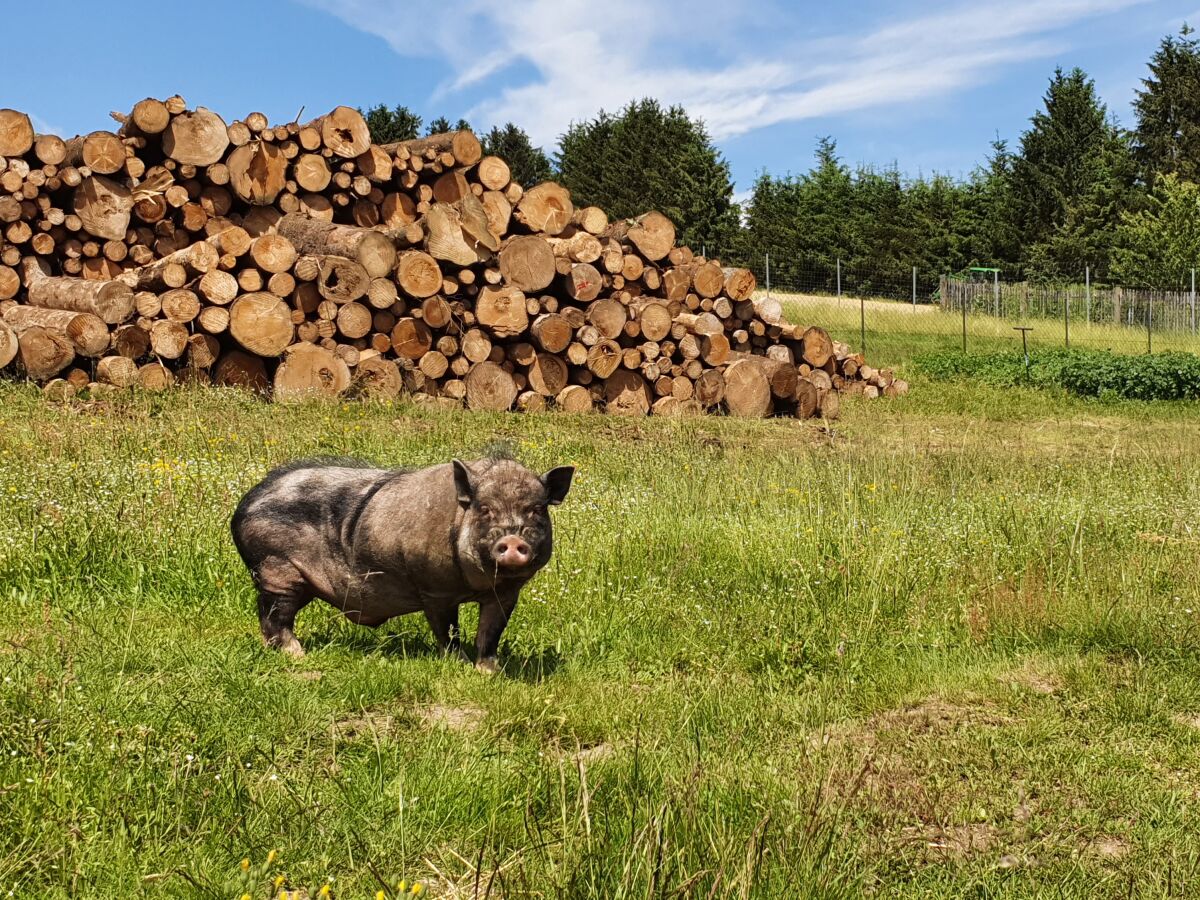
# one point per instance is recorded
(839, 277)
(862, 321)
(1087, 287)
(914, 285)
(1067, 319)
(1149, 318)
(964, 312)
(768, 274)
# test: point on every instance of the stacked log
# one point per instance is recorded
(179, 248)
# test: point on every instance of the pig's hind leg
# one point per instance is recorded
(443, 620)
(282, 593)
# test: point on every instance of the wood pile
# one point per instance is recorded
(303, 259)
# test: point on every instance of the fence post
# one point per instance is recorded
(964, 312)
(1193, 299)
(996, 291)
(914, 285)
(768, 274)
(1067, 319)
(862, 321)
(1087, 287)
(1149, 320)
(839, 278)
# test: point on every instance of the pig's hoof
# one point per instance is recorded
(292, 648)
(487, 665)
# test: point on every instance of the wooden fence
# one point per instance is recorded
(1099, 305)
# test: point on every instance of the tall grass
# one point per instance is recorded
(946, 646)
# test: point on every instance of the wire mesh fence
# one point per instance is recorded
(893, 313)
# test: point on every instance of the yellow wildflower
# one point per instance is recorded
(272, 856)
(246, 864)
(325, 890)
(380, 895)
(402, 887)
(417, 889)
(279, 879)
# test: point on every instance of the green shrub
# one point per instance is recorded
(1086, 373)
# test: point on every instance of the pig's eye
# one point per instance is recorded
(484, 509)
(539, 510)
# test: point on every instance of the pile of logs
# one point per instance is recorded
(303, 259)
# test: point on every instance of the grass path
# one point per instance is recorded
(946, 648)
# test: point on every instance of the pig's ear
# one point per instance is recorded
(462, 483)
(558, 482)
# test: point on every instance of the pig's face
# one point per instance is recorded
(505, 528)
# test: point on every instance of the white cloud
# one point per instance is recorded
(41, 126)
(585, 57)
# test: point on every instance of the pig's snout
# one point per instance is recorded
(511, 552)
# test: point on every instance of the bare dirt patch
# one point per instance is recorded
(932, 715)
(955, 842)
(1108, 846)
(453, 718)
(1035, 676)
(368, 723)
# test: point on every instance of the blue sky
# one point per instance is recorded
(924, 85)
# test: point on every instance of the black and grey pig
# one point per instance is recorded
(379, 543)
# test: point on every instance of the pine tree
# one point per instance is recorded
(1071, 180)
(390, 125)
(647, 157)
(528, 164)
(438, 126)
(1167, 137)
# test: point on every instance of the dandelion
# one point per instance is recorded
(246, 864)
(380, 895)
(325, 891)
(402, 887)
(279, 880)
(246, 897)
(417, 889)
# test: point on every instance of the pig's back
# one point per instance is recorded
(304, 501)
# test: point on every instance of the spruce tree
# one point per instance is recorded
(1167, 137)
(529, 164)
(390, 125)
(1071, 180)
(649, 157)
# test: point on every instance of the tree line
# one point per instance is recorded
(1076, 190)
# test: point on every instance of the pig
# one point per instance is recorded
(380, 543)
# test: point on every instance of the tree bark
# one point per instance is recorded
(112, 301)
(373, 250)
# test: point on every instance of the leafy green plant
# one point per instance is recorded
(1085, 373)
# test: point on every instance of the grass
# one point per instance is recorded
(898, 331)
(946, 648)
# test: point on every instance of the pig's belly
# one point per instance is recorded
(372, 598)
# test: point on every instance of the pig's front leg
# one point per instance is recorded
(494, 614)
(443, 620)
